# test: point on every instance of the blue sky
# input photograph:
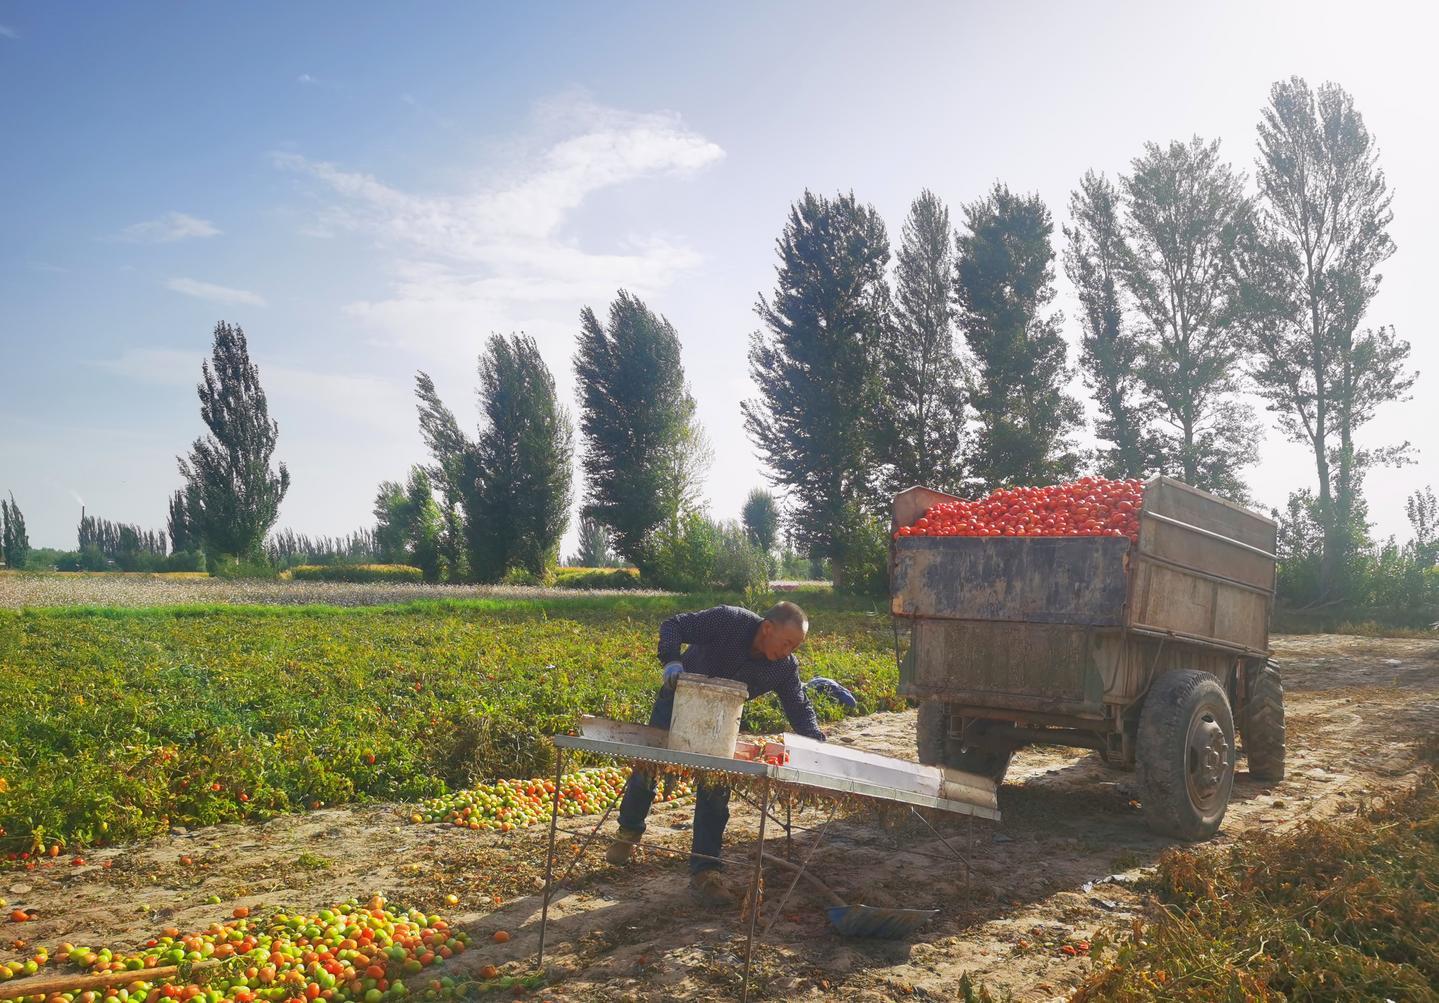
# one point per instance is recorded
(373, 189)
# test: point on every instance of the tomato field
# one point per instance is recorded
(121, 723)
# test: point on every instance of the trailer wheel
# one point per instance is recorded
(1261, 723)
(1185, 754)
(936, 748)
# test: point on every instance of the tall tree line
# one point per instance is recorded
(117, 540)
(1195, 296)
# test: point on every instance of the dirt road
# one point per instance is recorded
(1059, 866)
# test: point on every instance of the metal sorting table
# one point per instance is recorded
(815, 765)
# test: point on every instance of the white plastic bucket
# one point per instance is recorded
(706, 714)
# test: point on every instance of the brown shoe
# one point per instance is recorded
(711, 888)
(624, 846)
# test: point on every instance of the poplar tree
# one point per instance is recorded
(922, 427)
(235, 492)
(1185, 215)
(594, 544)
(644, 454)
(761, 519)
(1004, 287)
(1324, 232)
(455, 472)
(523, 457)
(183, 533)
(816, 363)
(1109, 354)
(14, 542)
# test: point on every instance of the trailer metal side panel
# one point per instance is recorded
(1045, 668)
(1204, 550)
(1177, 500)
(1074, 580)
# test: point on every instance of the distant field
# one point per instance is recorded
(115, 588)
(130, 719)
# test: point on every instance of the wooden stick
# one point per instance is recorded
(45, 985)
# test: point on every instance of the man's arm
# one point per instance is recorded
(703, 627)
(797, 707)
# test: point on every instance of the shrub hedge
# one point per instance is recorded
(356, 573)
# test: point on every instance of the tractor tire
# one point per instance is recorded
(1185, 752)
(1261, 724)
(937, 748)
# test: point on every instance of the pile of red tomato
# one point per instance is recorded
(352, 953)
(1090, 506)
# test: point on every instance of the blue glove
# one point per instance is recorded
(672, 674)
(833, 690)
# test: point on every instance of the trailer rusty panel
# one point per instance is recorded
(1046, 668)
(1168, 497)
(1204, 550)
(1021, 579)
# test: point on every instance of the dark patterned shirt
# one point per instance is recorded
(719, 642)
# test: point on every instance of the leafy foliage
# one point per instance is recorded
(1342, 910)
(523, 459)
(816, 364)
(760, 516)
(14, 542)
(455, 472)
(1109, 353)
(408, 524)
(922, 424)
(866, 541)
(286, 704)
(356, 573)
(234, 497)
(1387, 583)
(117, 541)
(594, 543)
(184, 533)
(1004, 286)
(637, 420)
(1309, 276)
(287, 548)
(597, 578)
(1186, 215)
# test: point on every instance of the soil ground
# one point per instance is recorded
(1060, 865)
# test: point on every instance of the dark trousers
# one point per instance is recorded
(711, 802)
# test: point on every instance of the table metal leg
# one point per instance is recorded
(586, 844)
(550, 855)
(754, 889)
(798, 874)
(958, 856)
(788, 829)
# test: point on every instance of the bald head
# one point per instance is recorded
(782, 631)
(789, 615)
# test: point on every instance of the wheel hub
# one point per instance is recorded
(1207, 761)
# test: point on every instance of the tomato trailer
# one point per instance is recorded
(1149, 652)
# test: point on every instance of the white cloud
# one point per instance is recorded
(305, 78)
(499, 256)
(213, 293)
(7, 32)
(168, 228)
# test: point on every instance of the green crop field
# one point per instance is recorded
(118, 722)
